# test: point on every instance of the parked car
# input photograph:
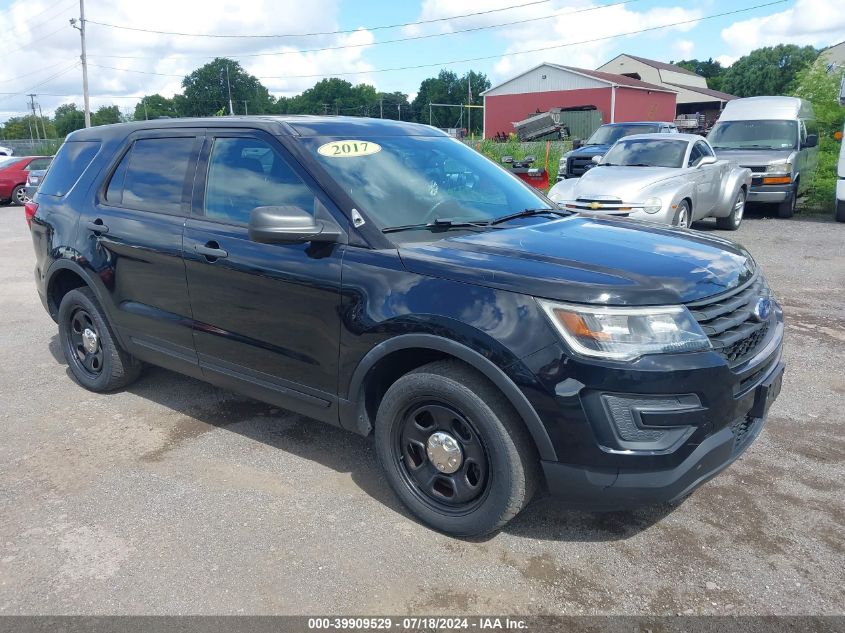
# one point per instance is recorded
(574, 163)
(33, 180)
(6, 151)
(13, 173)
(669, 178)
(487, 339)
(775, 137)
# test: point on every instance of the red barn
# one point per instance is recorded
(547, 86)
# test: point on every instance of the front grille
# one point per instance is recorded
(756, 169)
(744, 430)
(729, 322)
(577, 165)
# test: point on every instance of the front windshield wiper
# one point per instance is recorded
(526, 213)
(638, 165)
(438, 224)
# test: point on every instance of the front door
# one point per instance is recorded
(266, 318)
(137, 223)
(706, 178)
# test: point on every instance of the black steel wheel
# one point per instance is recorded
(94, 357)
(84, 342)
(454, 450)
(442, 457)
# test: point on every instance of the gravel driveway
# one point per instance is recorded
(177, 497)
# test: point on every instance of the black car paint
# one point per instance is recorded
(309, 326)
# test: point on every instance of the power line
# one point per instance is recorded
(341, 32)
(393, 41)
(41, 83)
(481, 58)
(49, 8)
(41, 38)
(35, 72)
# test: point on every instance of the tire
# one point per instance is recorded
(18, 196)
(732, 221)
(683, 217)
(786, 209)
(108, 367)
(496, 451)
(839, 214)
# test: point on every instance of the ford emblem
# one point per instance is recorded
(762, 309)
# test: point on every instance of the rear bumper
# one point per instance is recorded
(770, 193)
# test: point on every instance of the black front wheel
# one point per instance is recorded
(454, 450)
(94, 357)
(786, 209)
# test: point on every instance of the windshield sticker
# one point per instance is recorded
(348, 149)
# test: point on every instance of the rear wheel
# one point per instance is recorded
(454, 450)
(18, 197)
(732, 221)
(93, 355)
(839, 214)
(786, 209)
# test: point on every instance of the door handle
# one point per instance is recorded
(211, 251)
(97, 226)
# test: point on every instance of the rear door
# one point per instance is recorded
(138, 223)
(267, 317)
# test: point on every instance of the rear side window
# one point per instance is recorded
(151, 175)
(67, 167)
(38, 163)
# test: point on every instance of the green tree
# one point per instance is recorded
(206, 90)
(154, 107)
(448, 88)
(67, 118)
(768, 71)
(106, 115)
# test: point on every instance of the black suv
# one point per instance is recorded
(385, 278)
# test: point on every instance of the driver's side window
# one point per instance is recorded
(245, 173)
(695, 155)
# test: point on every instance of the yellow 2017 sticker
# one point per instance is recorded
(349, 149)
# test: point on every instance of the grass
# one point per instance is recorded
(821, 196)
(519, 150)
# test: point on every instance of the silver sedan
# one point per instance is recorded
(673, 179)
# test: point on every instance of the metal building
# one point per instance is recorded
(548, 86)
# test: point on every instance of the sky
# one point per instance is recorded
(39, 50)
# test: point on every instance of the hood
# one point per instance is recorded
(625, 183)
(754, 157)
(602, 260)
(591, 150)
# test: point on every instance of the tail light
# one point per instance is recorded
(30, 209)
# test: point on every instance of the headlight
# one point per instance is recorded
(653, 205)
(626, 333)
(779, 168)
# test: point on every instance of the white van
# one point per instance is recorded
(777, 139)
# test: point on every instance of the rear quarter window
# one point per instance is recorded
(67, 167)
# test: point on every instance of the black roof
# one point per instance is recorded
(287, 125)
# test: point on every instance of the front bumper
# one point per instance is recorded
(770, 193)
(619, 488)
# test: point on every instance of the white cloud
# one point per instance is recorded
(48, 45)
(684, 49)
(810, 22)
(562, 22)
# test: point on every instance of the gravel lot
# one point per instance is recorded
(176, 497)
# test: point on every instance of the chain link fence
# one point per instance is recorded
(30, 147)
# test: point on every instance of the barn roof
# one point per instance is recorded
(609, 79)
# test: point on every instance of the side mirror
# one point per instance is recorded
(578, 142)
(596, 159)
(812, 140)
(707, 160)
(287, 224)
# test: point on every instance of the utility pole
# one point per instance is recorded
(144, 101)
(84, 58)
(229, 87)
(246, 108)
(41, 116)
(34, 115)
(381, 108)
(399, 110)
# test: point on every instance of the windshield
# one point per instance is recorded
(754, 135)
(609, 134)
(646, 152)
(405, 180)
